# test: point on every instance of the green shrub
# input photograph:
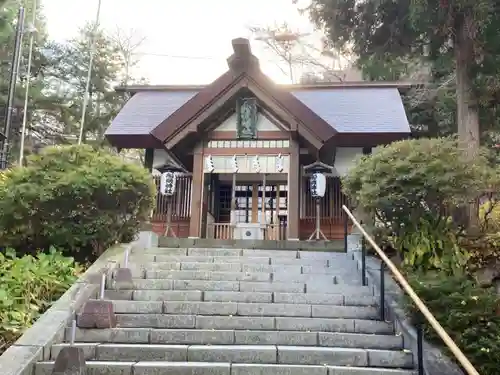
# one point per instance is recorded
(76, 198)
(28, 285)
(468, 313)
(409, 187)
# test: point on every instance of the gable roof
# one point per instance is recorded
(358, 110)
(165, 114)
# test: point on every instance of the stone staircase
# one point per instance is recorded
(243, 312)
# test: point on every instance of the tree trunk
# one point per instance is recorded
(467, 110)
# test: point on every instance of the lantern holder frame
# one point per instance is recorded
(318, 233)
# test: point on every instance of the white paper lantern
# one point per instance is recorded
(168, 181)
(279, 163)
(209, 164)
(234, 164)
(256, 164)
(318, 185)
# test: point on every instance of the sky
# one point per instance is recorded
(186, 41)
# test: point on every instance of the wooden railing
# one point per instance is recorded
(330, 204)
(181, 201)
(220, 231)
(224, 231)
(401, 280)
(275, 232)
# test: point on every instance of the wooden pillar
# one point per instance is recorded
(148, 158)
(255, 202)
(197, 193)
(294, 192)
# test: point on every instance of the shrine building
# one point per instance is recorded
(244, 148)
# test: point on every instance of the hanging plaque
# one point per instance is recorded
(246, 112)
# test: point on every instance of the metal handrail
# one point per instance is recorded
(459, 355)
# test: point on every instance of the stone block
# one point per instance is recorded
(93, 368)
(361, 300)
(183, 259)
(47, 330)
(238, 354)
(302, 262)
(200, 308)
(88, 349)
(356, 312)
(155, 321)
(342, 370)
(70, 361)
(97, 314)
(270, 253)
(122, 279)
(362, 341)
(20, 360)
(181, 368)
(292, 269)
(117, 294)
(315, 324)
(221, 267)
(273, 309)
(309, 298)
(275, 338)
(270, 369)
(215, 252)
(152, 352)
(111, 335)
(322, 356)
(167, 295)
(138, 307)
(271, 287)
(234, 322)
(164, 266)
(192, 337)
(152, 284)
(206, 285)
(249, 297)
(166, 251)
(390, 359)
(373, 327)
(303, 278)
(242, 260)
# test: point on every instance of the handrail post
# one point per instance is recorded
(420, 344)
(346, 222)
(363, 261)
(382, 291)
(424, 311)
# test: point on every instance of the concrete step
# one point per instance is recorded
(147, 258)
(265, 354)
(324, 287)
(218, 368)
(359, 297)
(259, 323)
(232, 337)
(209, 275)
(245, 309)
(194, 265)
(236, 276)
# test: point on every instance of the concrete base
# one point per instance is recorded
(335, 245)
(70, 361)
(97, 314)
(122, 279)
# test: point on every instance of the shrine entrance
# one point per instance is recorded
(259, 211)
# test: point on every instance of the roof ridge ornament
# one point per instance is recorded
(242, 59)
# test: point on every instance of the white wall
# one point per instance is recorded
(346, 158)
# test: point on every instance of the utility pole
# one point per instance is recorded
(32, 31)
(14, 71)
(86, 96)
